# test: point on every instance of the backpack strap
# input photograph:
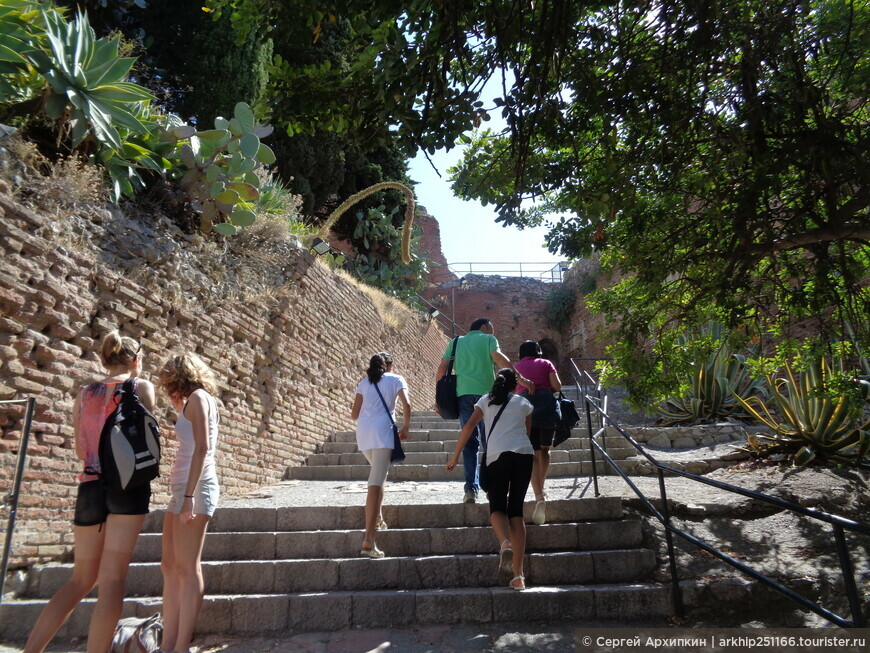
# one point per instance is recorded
(389, 414)
(452, 356)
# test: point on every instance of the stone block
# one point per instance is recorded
(543, 604)
(259, 614)
(239, 546)
(243, 519)
(144, 579)
(367, 574)
(456, 605)
(316, 544)
(636, 601)
(435, 516)
(566, 568)
(320, 611)
(659, 441)
(383, 609)
(307, 575)
(307, 519)
(550, 537)
(251, 577)
(466, 539)
(622, 565)
(405, 542)
(684, 442)
(608, 534)
(430, 572)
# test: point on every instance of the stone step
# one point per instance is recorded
(362, 574)
(441, 457)
(448, 444)
(424, 473)
(582, 536)
(331, 518)
(318, 611)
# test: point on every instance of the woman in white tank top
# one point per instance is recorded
(195, 491)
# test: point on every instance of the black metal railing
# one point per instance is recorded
(839, 524)
(11, 500)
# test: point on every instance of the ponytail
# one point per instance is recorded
(505, 383)
(378, 366)
(118, 350)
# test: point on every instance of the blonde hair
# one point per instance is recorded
(118, 350)
(183, 374)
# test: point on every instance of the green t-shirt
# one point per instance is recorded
(473, 364)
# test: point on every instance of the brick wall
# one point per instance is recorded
(287, 370)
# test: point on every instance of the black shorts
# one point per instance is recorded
(542, 437)
(94, 502)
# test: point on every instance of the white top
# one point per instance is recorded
(373, 427)
(510, 430)
(184, 434)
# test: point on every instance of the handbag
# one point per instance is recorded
(398, 454)
(482, 478)
(136, 635)
(569, 420)
(445, 390)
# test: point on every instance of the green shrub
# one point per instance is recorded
(561, 302)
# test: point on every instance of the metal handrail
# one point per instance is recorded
(839, 525)
(12, 498)
(451, 325)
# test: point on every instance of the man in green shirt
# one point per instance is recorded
(475, 354)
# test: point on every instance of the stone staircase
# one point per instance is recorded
(279, 569)
(430, 445)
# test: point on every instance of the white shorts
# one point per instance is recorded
(205, 497)
(379, 459)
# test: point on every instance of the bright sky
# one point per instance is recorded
(469, 232)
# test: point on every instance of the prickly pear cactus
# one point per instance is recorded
(219, 165)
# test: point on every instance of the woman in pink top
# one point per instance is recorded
(544, 419)
(107, 521)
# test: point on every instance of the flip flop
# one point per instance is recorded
(539, 516)
(382, 525)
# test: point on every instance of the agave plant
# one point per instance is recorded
(86, 83)
(21, 33)
(808, 419)
(715, 383)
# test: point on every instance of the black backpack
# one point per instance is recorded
(129, 442)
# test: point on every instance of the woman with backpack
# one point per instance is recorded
(509, 459)
(107, 520)
(374, 408)
(194, 490)
(545, 417)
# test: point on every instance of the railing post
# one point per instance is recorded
(676, 591)
(12, 498)
(591, 445)
(849, 578)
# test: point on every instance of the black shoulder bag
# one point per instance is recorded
(398, 454)
(445, 390)
(569, 419)
(482, 480)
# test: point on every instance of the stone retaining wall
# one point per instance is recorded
(686, 437)
(287, 368)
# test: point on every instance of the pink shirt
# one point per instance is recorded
(536, 370)
(95, 405)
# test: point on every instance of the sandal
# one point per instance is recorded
(371, 552)
(382, 525)
(518, 583)
(506, 558)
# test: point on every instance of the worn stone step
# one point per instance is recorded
(582, 536)
(331, 518)
(314, 611)
(413, 457)
(390, 573)
(425, 473)
(445, 440)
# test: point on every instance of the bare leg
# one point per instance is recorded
(518, 543)
(88, 550)
(500, 526)
(188, 541)
(374, 499)
(171, 588)
(120, 539)
(539, 472)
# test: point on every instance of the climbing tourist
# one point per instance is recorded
(508, 456)
(107, 520)
(475, 353)
(544, 418)
(374, 408)
(194, 490)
